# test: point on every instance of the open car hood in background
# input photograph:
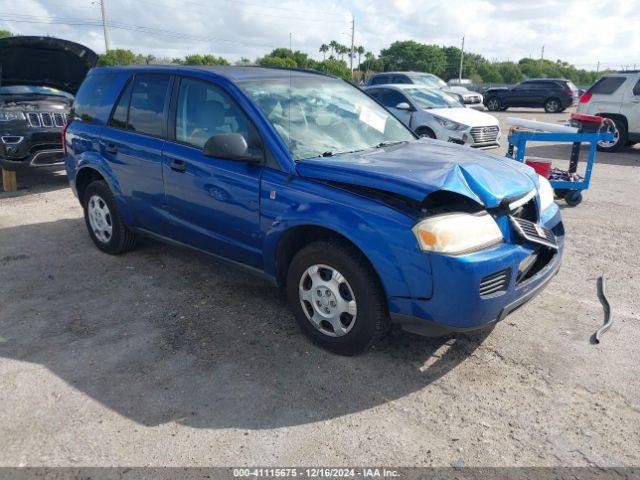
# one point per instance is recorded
(44, 61)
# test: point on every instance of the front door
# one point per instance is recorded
(213, 203)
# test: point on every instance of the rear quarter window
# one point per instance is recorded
(607, 85)
(95, 98)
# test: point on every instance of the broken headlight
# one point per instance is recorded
(456, 233)
(546, 193)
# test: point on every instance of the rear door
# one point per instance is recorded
(132, 144)
(213, 203)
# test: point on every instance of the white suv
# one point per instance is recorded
(616, 96)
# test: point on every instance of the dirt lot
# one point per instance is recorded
(168, 357)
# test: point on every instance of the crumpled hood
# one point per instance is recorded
(419, 168)
(465, 116)
(45, 61)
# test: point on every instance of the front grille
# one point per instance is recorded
(495, 283)
(534, 232)
(46, 119)
(485, 134)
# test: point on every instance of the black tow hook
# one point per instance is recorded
(608, 316)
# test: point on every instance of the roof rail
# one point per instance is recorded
(300, 69)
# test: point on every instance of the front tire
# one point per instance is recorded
(106, 228)
(494, 104)
(336, 297)
(425, 132)
(552, 105)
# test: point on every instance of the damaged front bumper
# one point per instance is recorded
(475, 291)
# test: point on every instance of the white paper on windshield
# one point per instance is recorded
(373, 119)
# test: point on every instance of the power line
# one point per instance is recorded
(34, 19)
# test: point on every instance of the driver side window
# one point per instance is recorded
(203, 111)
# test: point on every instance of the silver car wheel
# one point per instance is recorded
(327, 300)
(616, 138)
(100, 218)
(493, 104)
(553, 106)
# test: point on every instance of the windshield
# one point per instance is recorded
(322, 116)
(32, 90)
(428, 80)
(432, 98)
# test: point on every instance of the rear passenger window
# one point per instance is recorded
(119, 117)
(203, 111)
(607, 85)
(400, 79)
(636, 89)
(147, 104)
(379, 80)
(95, 98)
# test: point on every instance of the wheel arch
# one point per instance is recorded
(616, 116)
(297, 237)
(88, 172)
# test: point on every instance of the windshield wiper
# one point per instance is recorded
(390, 144)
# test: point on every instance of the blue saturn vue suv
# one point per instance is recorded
(305, 178)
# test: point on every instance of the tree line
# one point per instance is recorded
(401, 55)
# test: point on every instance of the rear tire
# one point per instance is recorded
(620, 140)
(336, 297)
(101, 215)
(494, 104)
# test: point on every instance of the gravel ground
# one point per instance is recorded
(165, 356)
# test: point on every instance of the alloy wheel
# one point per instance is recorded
(327, 300)
(100, 218)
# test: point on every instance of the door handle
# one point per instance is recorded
(178, 165)
(111, 148)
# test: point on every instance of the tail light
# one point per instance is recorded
(64, 132)
(585, 98)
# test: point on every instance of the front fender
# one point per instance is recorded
(382, 234)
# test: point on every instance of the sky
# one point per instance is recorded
(583, 32)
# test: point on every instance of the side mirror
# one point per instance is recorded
(231, 146)
(403, 106)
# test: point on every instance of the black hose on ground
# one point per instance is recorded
(608, 316)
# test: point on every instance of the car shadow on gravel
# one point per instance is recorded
(164, 334)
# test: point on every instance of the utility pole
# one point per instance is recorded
(542, 53)
(290, 35)
(104, 26)
(353, 34)
(598, 67)
(461, 58)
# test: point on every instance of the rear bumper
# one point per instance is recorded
(457, 304)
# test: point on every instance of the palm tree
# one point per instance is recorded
(368, 58)
(324, 48)
(360, 52)
(333, 45)
(341, 51)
